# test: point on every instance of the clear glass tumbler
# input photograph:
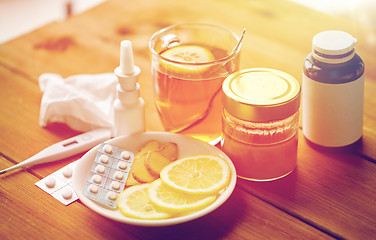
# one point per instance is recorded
(189, 65)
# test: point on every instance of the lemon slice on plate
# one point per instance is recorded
(134, 202)
(176, 202)
(187, 54)
(200, 174)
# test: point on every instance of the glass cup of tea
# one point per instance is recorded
(189, 64)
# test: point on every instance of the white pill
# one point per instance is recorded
(108, 148)
(50, 182)
(67, 194)
(122, 165)
(119, 175)
(93, 188)
(111, 195)
(67, 172)
(104, 159)
(97, 179)
(126, 155)
(100, 169)
(115, 185)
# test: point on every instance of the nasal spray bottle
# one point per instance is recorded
(128, 107)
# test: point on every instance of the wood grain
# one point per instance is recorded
(279, 35)
(331, 194)
(44, 217)
(333, 189)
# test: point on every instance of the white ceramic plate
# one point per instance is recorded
(187, 147)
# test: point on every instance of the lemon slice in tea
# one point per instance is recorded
(134, 202)
(187, 54)
(200, 174)
(176, 202)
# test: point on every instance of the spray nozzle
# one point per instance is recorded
(127, 72)
(126, 58)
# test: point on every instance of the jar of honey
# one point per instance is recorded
(261, 123)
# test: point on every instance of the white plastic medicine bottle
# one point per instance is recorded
(333, 90)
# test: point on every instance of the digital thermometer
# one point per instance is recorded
(66, 148)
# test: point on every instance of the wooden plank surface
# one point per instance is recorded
(44, 217)
(279, 35)
(331, 194)
(328, 190)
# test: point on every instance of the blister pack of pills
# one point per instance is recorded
(59, 184)
(108, 175)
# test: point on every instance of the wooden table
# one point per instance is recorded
(331, 194)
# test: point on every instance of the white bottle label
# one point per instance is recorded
(332, 113)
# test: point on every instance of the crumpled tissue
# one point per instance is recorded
(83, 102)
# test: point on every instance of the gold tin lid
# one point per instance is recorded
(261, 94)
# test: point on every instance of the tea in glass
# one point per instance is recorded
(189, 65)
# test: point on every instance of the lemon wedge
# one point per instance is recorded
(187, 54)
(200, 174)
(134, 202)
(176, 202)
